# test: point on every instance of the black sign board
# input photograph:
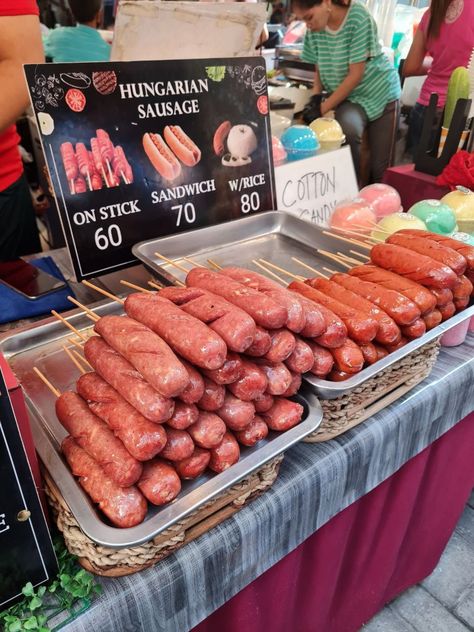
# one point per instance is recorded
(26, 550)
(137, 150)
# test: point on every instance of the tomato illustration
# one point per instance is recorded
(75, 100)
(262, 104)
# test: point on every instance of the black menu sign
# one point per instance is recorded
(26, 551)
(137, 150)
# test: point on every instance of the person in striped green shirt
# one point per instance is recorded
(363, 86)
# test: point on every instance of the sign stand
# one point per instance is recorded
(139, 150)
(311, 188)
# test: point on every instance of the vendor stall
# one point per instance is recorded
(343, 529)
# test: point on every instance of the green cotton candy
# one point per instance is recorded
(458, 88)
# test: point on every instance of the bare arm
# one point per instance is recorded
(417, 63)
(20, 43)
(317, 85)
(353, 78)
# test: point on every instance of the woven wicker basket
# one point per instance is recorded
(117, 562)
(362, 402)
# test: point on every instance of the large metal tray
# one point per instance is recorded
(277, 237)
(41, 345)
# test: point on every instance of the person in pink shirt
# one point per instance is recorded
(443, 41)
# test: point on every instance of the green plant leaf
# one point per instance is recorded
(31, 623)
(28, 590)
(14, 626)
(35, 603)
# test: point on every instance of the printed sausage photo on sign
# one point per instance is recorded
(140, 150)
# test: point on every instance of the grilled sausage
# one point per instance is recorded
(401, 343)
(338, 376)
(463, 288)
(251, 384)
(461, 303)
(277, 375)
(293, 388)
(322, 360)
(194, 465)
(283, 345)
(369, 352)
(261, 343)
(195, 388)
(432, 319)
(236, 328)
(229, 372)
(348, 358)
(439, 252)
(186, 335)
(213, 397)
(263, 403)
(301, 360)
(146, 351)
(421, 268)
(141, 437)
(400, 308)
(93, 436)
(208, 431)
(447, 311)
(236, 413)
(283, 415)
(415, 330)
(465, 250)
(315, 318)
(120, 374)
(347, 290)
(336, 331)
(442, 296)
(264, 310)
(124, 507)
(295, 315)
(360, 327)
(417, 293)
(225, 454)
(253, 433)
(381, 351)
(159, 482)
(179, 445)
(184, 415)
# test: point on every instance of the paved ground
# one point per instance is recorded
(444, 602)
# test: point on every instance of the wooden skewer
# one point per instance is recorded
(354, 242)
(335, 258)
(324, 276)
(262, 267)
(89, 179)
(124, 178)
(348, 259)
(74, 359)
(361, 226)
(193, 262)
(155, 285)
(81, 358)
(172, 263)
(111, 175)
(104, 292)
(68, 324)
(359, 254)
(135, 287)
(287, 272)
(45, 380)
(92, 315)
(214, 264)
(330, 271)
(305, 265)
(356, 234)
(104, 175)
(73, 190)
(76, 343)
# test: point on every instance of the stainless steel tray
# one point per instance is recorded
(275, 236)
(41, 345)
